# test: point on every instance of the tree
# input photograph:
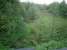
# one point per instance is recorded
(7, 7)
(11, 23)
(30, 11)
(63, 9)
(53, 8)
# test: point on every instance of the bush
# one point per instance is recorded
(50, 45)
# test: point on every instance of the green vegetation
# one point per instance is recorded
(43, 27)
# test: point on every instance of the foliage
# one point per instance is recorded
(58, 9)
(63, 9)
(50, 45)
(29, 12)
(10, 31)
(46, 29)
(53, 8)
(32, 25)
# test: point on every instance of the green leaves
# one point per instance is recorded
(11, 23)
(58, 9)
(50, 45)
(63, 9)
